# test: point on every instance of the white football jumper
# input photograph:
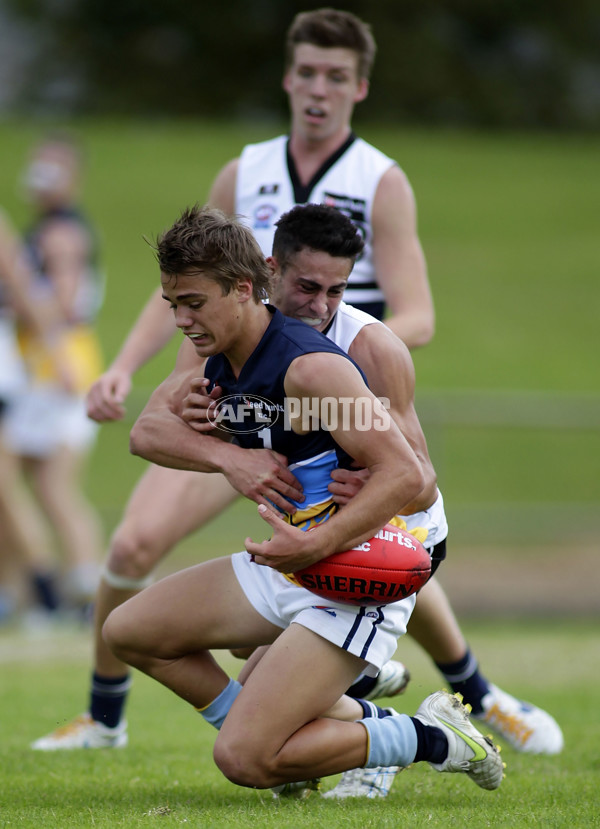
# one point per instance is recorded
(347, 181)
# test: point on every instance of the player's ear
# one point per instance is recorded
(272, 264)
(244, 290)
(285, 83)
(362, 90)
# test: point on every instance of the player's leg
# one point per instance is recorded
(57, 478)
(168, 630)
(165, 506)
(27, 533)
(264, 743)
(434, 626)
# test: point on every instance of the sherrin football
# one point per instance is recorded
(388, 567)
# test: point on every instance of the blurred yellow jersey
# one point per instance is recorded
(79, 347)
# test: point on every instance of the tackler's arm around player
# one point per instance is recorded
(161, 436)
(362, 427)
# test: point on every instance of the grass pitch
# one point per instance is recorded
(166, 776)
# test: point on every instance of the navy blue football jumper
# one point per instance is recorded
(252, 406)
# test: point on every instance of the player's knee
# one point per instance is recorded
(133, 552)
(241, 764)
(117, 632)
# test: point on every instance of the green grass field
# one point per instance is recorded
(166, 776)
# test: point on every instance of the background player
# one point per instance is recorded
(48, 427)
(26, 542)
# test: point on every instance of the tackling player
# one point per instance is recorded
(214, 278)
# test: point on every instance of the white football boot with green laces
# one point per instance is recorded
(468, 751)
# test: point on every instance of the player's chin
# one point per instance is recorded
(206, 348)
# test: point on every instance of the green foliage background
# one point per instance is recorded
(463, 62)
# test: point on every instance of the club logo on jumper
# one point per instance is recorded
(264, 215)
(268, 190)
(355, 209)
(244, 413)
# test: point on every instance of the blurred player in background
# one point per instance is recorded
(329, 57)
(27, 546)
(47, 427)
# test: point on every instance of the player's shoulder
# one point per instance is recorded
(300, 340)
(372, 337)
(349, 312)
(347, 324)
(262, 148)
(366, 146)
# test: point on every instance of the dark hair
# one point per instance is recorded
(330, 29)
(317, 227)
(205, 240)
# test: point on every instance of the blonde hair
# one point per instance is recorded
(205, 240)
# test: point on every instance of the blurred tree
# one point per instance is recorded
(517, 63)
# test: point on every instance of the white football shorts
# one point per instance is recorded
(432, 519)
(42, 420)
(370, 633)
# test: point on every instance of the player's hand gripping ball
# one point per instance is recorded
(388, 567)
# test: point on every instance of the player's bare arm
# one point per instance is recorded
(395, 474)
(390, 373)
(400, 262)
(162, 437)
(151, 332)
(44, 319)
(222, 192)
(65, 247)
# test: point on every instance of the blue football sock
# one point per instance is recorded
(362, 686)
(372, 710)
(392, 741)
(432, 744)
(216, 711)
(108, 697)
(46, 593)
(464, 677)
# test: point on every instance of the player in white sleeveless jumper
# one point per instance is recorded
(267, 186)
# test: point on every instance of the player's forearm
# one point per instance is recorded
(164, 439)
(153, 329)
(384, 494)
